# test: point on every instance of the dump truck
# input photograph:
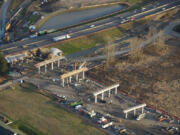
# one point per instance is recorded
(61, 37)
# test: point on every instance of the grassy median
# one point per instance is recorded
(36, 114)
(89, 41)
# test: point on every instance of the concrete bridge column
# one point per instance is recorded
(142, 109)
(58, 63)
(67, 80)
(76, 77)
(52, 67)
(102, 96)
(134, 112)
(39, 70)
(95, 99)
(63, 82)
(45, 68)
(126, 115)
(70, 79)
(116, 90)
(83, 75)
(109, 93)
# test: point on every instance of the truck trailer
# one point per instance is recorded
(61, 37)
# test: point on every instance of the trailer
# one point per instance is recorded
(61, 37)
(107, 125)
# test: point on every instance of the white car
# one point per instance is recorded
(163, 9)
(143, 8)
(92, 25)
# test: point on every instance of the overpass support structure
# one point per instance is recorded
(107, 89)
(141, 106)
(68, 76)
(50, 61)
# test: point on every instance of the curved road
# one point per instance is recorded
(28, 44)
(3, 12)
(76, 17)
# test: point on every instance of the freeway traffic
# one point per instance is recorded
(86, 29)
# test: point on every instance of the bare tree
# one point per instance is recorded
(109, 51)
(135, 53)
(158, 44)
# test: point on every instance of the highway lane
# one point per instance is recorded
(85, 29)
(3, 12)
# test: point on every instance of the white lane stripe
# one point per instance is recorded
(8, 48)
(92, 28)
(34, 43)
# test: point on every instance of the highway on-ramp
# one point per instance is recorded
(40, 41)
(3, 11)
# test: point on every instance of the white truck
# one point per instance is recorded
(61, 37)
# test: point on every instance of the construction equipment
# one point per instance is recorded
(141, 116)
(161, 118)
(76, 103)
(102, 120)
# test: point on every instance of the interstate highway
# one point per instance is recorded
(40, 41)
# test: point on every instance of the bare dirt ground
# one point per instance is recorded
(155, 79)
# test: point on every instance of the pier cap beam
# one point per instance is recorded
(74, 72)
(106, 89)
(134, 108)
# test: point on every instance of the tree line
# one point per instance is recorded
(3, 65)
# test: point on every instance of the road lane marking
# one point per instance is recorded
(9, 48)
(34, 43)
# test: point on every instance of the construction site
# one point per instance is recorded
(129, 88)
(92, 90)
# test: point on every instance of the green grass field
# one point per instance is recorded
(36, 114)
(87, 42)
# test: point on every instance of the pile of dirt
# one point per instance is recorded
(155, 79)
(2, 79)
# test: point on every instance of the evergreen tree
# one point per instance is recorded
(3, 65)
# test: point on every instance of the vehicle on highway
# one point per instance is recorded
(163, 9)
(61, 37)
(92, 26)
(124, 20)
(33, 36)
(143, 8)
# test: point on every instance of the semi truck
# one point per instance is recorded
(61, 37)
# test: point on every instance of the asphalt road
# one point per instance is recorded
(3, 11)
(40, 41)
(76, 17)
